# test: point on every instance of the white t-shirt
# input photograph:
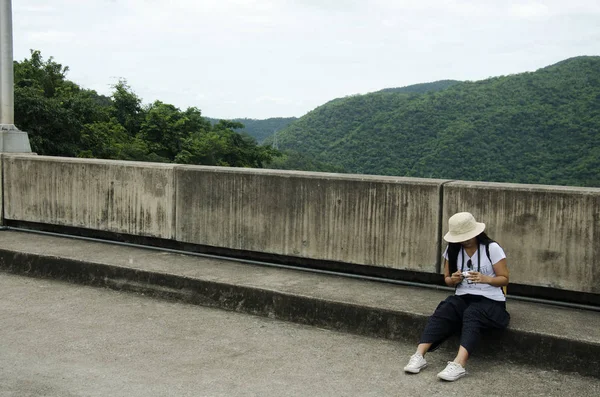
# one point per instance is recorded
(489, 291)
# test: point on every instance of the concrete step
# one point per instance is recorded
(546, 336)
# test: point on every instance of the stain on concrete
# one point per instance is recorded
(547, 255)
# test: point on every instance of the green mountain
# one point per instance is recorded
(264, 130)
(538, 127)
(261, 129)
(424, 87)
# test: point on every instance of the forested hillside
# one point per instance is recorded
(261, 129)
(63, 119)
(539, 127)
(536, 127)
(423, 87)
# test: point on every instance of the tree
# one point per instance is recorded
(127, 107)
(64, 119)
(52, 109)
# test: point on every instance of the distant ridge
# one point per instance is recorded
(536, 127)
(260, 129)
(423, 87)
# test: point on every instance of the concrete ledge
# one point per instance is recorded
(388, 225)
(389, 222)
(116, 196)
(545, 336)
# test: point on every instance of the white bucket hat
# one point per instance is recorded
(462, 227)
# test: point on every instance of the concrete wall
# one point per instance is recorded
(116, 196)
(2, 187)
(380, 221)
(551, 234)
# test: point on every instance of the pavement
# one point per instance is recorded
(548, 337)
(59, 339)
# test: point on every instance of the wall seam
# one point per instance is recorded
(438, 261)
(2, 158)
(174, 204)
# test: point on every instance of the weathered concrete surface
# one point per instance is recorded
(546, 336)
(2, 188)
(380, 221)
(115, 196)
(61, 340)
(551, 234)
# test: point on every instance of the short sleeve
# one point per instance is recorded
(496, 253)
(445, 254)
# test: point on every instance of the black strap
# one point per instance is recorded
(464, 253)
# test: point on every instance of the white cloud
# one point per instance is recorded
(267, 58)
(34, 8)
(53, 36)
(270, 99)
(530, 10)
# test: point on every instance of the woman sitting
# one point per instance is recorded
(476, 266)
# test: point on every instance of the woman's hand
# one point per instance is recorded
(476, 277)
(456, 278)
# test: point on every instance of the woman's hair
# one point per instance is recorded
(454, 249)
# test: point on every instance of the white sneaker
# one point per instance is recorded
(452, 372)
(415, 364)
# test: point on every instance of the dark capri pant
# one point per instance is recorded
(467, 314)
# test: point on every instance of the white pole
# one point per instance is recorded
(11, 139)
(7, 106)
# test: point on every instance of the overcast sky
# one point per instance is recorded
(280, 58)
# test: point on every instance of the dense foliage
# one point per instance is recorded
(261, 129)
(264, 130)
(62, 119)
(540, 127)
(293, 160)
(423, 87)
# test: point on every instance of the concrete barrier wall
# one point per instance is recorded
(115, 196)
(2, 188)
(551, 234)
(380, 221)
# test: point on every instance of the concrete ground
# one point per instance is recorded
(541, 335)
(60, 339)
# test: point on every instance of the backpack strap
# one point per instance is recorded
(487, 251)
